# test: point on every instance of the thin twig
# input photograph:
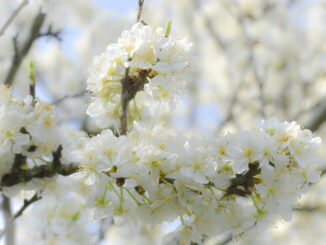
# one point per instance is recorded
(252, 59)
(140, 9)
(13, 15)
(51, 33)
(10, 222)
(26, 204)
(20, 54)
(58, 101)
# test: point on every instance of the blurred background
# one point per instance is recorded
(254, 59)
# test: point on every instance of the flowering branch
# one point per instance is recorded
(219, 185)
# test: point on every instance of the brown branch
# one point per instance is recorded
(243, 184)
(20, 54)
(43, 171)
(22, 4)
(18, 175)
(140, 9)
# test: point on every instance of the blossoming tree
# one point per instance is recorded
(136, 170)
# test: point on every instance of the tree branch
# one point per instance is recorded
(19, 175)
(43, 171)
(20, 54)
(318, 117)
(9, 230)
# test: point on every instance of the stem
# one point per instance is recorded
(26, 204)
(9, 224)
(140, 9)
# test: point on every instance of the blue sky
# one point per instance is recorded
(118, 5)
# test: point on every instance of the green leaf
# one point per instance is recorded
(31, 72)
(75, 217)
(168, 28)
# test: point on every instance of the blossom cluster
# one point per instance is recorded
(155, 64)
(59, 217)
(229, 183)
(29, 137)
(207, 186)
(27, 131)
